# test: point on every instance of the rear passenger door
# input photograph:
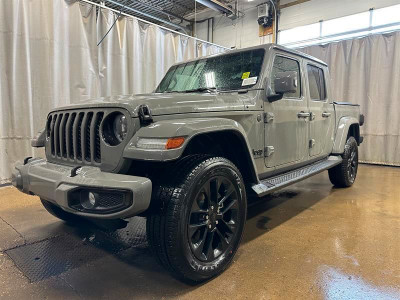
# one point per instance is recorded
(322, 114)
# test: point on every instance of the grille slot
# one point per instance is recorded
(57, 134)
(63, 136)
(75, 136)
(88, 136)
(70, 136)
(79, 137)
(51, 133)
(97, 150)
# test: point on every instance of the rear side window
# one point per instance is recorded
(316, 83)
(284, 64)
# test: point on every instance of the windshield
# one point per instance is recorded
(225, 72)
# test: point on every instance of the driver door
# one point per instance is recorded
(286, 120)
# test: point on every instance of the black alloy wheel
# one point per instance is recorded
(213, 219)
(352, 164)
(344, 174)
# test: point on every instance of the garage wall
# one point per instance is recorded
(238, 33)
(49, 58)
(244, 31)
(316, 10)
(366, 71)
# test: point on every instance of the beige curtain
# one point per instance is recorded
(49, 57)
(366, 71)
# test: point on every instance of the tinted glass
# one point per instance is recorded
(224, 72)
(316, 83)
(284, 64)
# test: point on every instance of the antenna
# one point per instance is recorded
(115, 21)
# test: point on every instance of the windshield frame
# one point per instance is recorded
(252, 86)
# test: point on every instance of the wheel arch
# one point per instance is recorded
(347, 126)
(228, 143)
(214, 136)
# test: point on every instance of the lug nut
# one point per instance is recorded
(206, 217)
(212, 207)
(209, 226)
(216, 222)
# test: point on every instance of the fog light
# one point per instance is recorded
(101, 201)
(88, 200)
(92, 198)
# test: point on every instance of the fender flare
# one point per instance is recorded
(342, 133)
(188, 128)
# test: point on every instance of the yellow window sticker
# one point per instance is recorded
(246, 75)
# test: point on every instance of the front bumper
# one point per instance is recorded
(55, 183)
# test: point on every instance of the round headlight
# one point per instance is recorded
(115, 128)
(120, 127)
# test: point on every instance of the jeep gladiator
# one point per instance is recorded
(187, 156)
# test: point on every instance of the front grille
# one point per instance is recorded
(75, 136)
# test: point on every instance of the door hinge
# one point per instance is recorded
(268, 151)
(311, 143)
(268, 117)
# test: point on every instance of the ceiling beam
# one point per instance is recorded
(161, 11)
(296, 2)
(148, 15)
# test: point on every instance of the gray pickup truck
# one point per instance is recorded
(188, 156)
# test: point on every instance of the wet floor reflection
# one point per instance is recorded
(339, 285)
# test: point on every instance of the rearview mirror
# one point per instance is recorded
(284, 82)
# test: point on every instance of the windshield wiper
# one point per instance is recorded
(202, 89)
(214, 89)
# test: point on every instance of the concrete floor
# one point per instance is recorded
(308, 241)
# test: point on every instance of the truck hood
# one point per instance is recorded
(169, 103)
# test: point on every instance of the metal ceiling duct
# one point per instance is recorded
(218, 6)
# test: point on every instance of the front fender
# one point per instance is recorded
(341, 133)
(188, 128)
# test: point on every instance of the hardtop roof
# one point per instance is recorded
(266, 47)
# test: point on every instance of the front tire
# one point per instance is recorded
(198, 229)
(344, 174)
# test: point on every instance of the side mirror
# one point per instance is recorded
(284, 82)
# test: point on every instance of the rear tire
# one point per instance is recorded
(59, 212)
(198, 226)
(344, 174)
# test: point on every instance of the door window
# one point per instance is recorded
(316, 83)
(284, 64)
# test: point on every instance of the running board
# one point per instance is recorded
(272, 184)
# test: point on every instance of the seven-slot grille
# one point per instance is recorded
(75, 136)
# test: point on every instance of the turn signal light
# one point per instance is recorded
(174, 143)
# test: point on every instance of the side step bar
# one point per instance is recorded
(272, 184)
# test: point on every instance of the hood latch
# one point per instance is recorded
(145, 116)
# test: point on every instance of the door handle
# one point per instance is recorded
(303, 114)
(326, 114)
